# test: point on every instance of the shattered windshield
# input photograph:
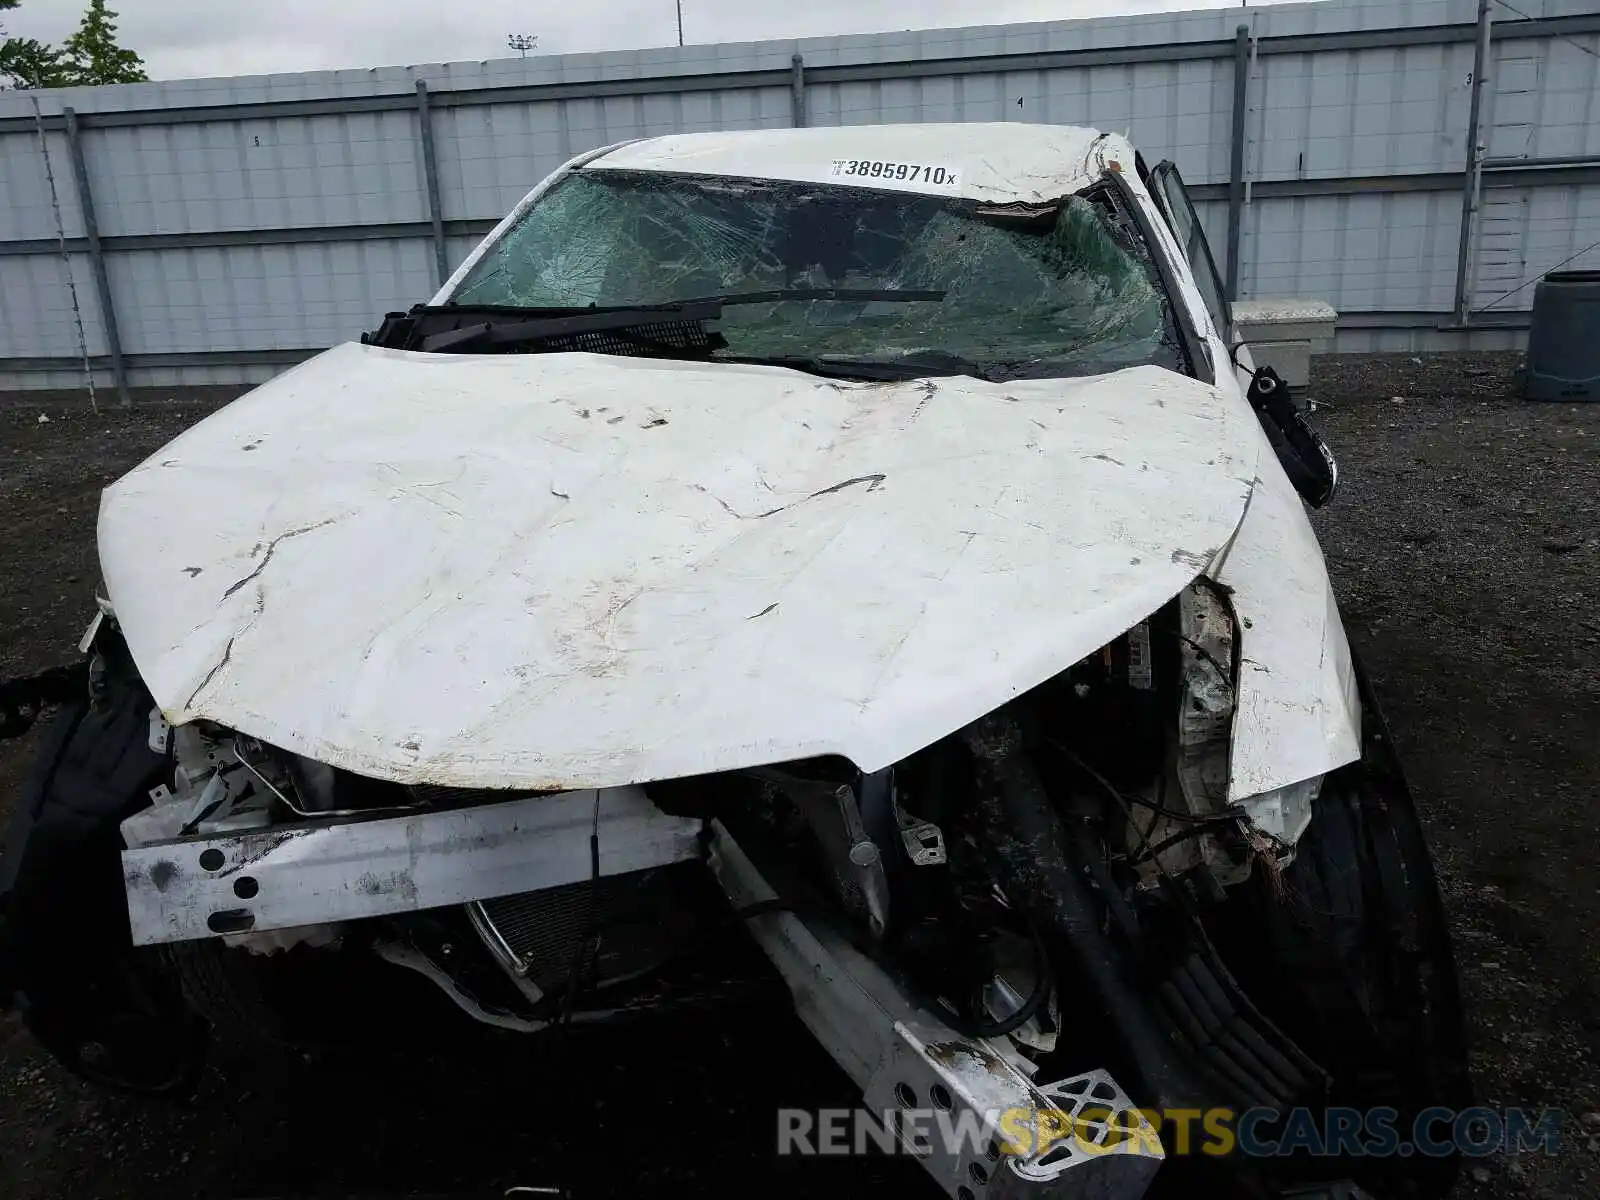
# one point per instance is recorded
(1060, 289)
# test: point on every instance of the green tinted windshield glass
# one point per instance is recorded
(1056, 290)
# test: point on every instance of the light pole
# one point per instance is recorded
(523, 42)
(680, 22)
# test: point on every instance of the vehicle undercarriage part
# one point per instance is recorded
(310, 874)
(1200, 1042)
(852, 849)
(413, 959)
(223, 782)
(1175, 841)
(905, 1057)
(646, 917)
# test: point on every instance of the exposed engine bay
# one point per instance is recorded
(1023, 916)
(1136, 735)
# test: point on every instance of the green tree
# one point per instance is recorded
(25, 63)
(90, 56)
(93, 56)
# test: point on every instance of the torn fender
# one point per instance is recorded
(1298, 713)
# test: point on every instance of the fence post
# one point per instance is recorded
(1472, 188)
(1241, 97)
(430, 171)
(97, 258)
(797, 90)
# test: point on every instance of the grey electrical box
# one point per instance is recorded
(1564, 339)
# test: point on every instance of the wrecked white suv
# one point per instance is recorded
(868, 542)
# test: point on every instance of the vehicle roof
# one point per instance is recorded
(996, 162)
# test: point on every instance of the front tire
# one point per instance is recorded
(101, 1006)
(1349, 952)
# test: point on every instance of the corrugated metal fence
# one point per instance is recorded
(216, 230)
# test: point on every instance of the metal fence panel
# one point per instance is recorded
(359, 168)
(1380, 253)
(490, 156)
(245, 221)
(36, 318)
(1398, 111)
(27, 211)
(264, 297)
(1543, 99)
(1180, 110)
(1528, 232)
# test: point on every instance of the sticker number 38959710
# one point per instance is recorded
(872, 170)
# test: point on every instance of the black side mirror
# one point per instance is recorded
(1306, 458)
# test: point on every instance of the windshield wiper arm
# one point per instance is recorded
(492, 334)
(504, 326)
(435, 326)
(540, 324)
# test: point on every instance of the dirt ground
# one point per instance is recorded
(1465, 547)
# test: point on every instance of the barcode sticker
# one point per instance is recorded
(877, 170)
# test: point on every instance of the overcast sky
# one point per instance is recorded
(187, 38)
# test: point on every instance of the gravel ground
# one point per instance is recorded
(1466, 553)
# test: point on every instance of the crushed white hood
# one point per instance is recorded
(565, 570)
